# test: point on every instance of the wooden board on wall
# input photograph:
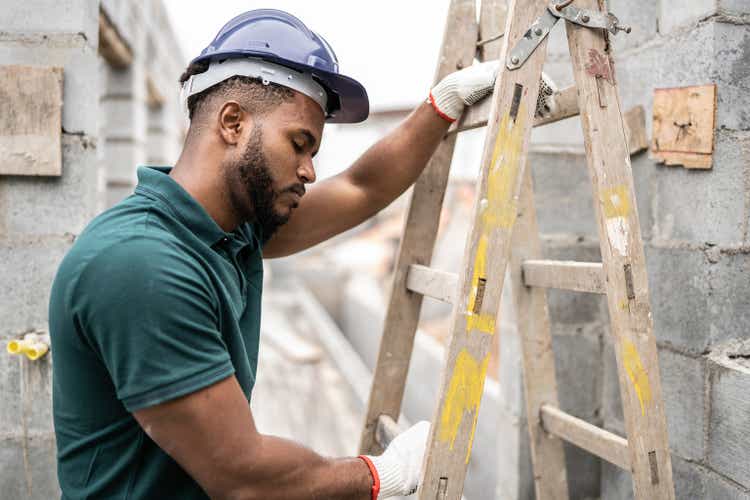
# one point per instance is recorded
(31, 120)
(684, 122)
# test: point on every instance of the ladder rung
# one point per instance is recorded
(567, 275)
(476, 116)
(439, 285)
(591, 438)
(386, 430)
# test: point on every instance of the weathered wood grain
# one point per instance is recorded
(604, 444)
(539, 379)
(623, 260)
(418, 239)
(439, 285)
(565, 275)
(31, 120)
(477, 304)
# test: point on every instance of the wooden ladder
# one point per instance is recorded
(504, 199)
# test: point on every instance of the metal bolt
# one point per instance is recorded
(514, 60)
(538, 32)
(585, 18)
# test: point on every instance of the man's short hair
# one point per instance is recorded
(257, 98)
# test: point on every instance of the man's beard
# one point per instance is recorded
(255, 176)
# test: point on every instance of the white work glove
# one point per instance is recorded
(398, 468)
(463, 88)
(469, 85)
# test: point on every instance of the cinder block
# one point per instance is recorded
(729, 424)
(124, 118)
(80, 111)
(12, 473)
(644, 175)
(28, 268)
(718, 488)
(729, 281)
(710, 308)
(562, 194)
(731, 71)
(694, 481)
(641, 16)
(679, 291)
(675, 14)
(617, 484)
(63, 16)
(578, 369)
(584, 473)
(611, 399)
(705, 205)
(718, 54)
(39, 206)
(570, 310)
(682, 380)
(121, 160)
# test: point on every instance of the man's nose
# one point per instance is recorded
(306, 171)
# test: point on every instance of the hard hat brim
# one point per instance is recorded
(348, 100)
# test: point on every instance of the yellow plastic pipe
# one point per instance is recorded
(33, 345)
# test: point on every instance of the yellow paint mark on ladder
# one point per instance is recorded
(498, 211)
(637, 374)
(463, 395)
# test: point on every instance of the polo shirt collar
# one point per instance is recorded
(155, 181)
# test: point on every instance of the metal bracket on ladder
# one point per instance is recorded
(541, 27)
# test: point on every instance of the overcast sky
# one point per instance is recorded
(390, 46)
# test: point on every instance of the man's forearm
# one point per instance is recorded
(392, 164)
(286, 470)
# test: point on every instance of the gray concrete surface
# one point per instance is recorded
(41, 216)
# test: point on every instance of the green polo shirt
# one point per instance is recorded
(153, 301)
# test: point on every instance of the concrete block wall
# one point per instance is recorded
(40, 217)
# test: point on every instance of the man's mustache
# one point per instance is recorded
(298, 189)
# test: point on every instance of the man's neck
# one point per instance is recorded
(204, 183)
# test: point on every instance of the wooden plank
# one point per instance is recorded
(684, 122)
(565, 275)
(623, 259)
(635, 129)
(439, 285)
(477, 304)
(418, 240)
(476, 116)
(604, 444)
(112, 47)
(31, 120)
(567, 106)
(387, 430)
(539, 380)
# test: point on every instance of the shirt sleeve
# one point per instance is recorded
(151, 314)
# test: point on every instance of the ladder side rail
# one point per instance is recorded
(487, 249)
(417, 241)
(623, 260)
(538, 358)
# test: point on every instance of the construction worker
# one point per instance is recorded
(155, 311)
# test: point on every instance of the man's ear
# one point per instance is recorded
(233, 120)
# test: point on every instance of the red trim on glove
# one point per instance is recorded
(440, 113)
(375, 477)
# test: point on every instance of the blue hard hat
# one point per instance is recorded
(279, 37)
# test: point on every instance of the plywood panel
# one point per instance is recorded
(684, 121)
(30, 120)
